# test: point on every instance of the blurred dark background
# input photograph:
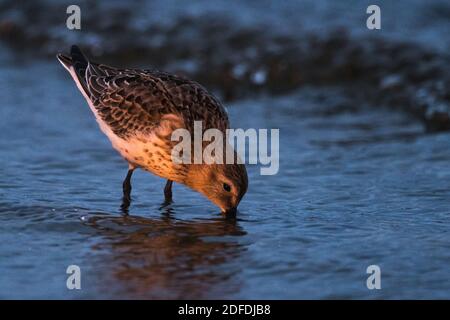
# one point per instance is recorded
(239, 48)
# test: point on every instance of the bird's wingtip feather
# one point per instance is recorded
(64, 60)
(75, 49)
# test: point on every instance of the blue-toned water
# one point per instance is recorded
(355, 188)
(358, 184)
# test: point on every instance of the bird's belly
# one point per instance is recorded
(146, 152)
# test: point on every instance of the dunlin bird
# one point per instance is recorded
(139, 109)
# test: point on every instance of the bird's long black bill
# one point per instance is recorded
(230, 213)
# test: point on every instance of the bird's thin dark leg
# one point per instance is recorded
(126, 200)
(168, 191)
(127, 185)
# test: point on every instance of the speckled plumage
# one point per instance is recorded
(135, 100)
(143, 107)
(139, 110)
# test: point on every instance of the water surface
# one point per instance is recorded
(357, 186)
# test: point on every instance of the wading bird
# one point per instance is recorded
(139, 109)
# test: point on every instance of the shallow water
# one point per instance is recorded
(357, 186)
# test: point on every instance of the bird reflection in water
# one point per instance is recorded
(168, 258)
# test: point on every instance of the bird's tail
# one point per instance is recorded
(76, 64)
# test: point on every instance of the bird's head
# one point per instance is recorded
(223, 184)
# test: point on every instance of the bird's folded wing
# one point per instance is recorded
(136, 100)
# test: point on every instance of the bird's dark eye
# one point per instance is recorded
(226, 187)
